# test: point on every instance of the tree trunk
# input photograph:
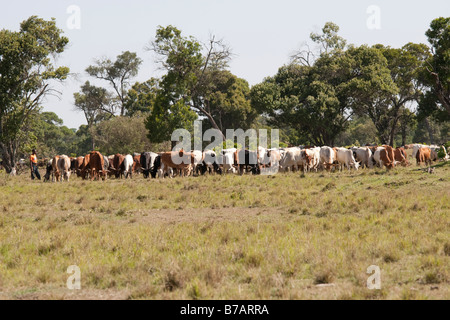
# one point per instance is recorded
(9, 151)
(430, 130)
(403, 137)
(392, 133)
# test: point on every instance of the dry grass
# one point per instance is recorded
(264, 237)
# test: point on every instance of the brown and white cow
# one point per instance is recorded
(180, 161)
(400, 156)
(384, 156)
(423, 155)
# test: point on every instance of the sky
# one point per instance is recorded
(262, 34)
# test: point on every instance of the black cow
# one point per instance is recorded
(148, 164)
(248, 160)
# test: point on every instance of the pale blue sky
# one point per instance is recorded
(261, 33)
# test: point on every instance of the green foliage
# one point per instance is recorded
(122, 135)
(94, 102)
(318, 100)
(196, 85)
(141, 97)
(118, 74)
(436, 72)
(26, 67)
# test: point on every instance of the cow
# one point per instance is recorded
(415, 148)
(128, 166)
(55, 171)
(291, 159)
(105, 171)
(136, 163)
(327, 157)
(78, 165)
(311, 158)
(400, 156)
(111, 170)
(210, 162)
(198, 161)
(63, 165)
(274, 158)
(423, 155)
(179, 160)
(248, 161)
(384, 156)
(85, 166)
(147, 161)
(96, 166)
(49, 169)
(364, 156)
(118, 165)
(228, 159)
(345, 158)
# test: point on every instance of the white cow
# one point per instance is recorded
(314, 153)
(327, 157)
(198, 159)
(363, 156)
(227, 160)
(128, 166)
(345, 158)
(64, 167)
(291, 158)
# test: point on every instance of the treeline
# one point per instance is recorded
(330, 93)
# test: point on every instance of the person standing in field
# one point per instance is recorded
(34, 166)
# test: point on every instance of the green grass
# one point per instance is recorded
(229, 237)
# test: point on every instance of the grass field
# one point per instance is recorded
(288, 236)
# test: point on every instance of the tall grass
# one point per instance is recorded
(286, 236)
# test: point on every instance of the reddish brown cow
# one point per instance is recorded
(186, 159)
(423, 155)
(96, 163)
(84, 168)
(118, 165)
(400, 156)
(136, 164)
(78, 165)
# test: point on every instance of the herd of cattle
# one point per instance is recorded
(96, 166)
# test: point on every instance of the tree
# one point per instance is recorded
(436, 101)
(48, 135)
(141, 97)
(326, 42)
(27, 68)
(319, 100)
(405, 66)
(95, 103)
(407, 123)
(118, 74)
(123, 135)
(228, 101)
(370, 87)
(190, 75)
